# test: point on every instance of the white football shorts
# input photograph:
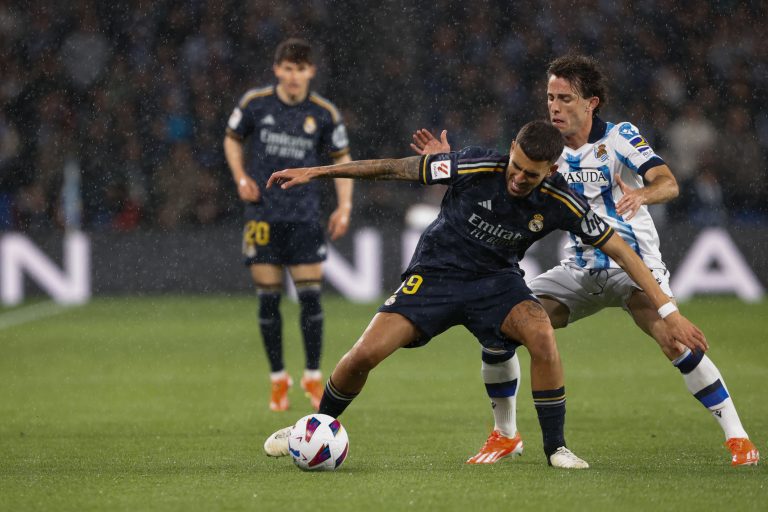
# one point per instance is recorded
(585, 291)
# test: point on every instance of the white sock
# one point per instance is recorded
(313, 374)
(501, 383)
(273, 376)
(706, 384)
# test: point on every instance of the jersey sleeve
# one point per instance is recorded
(240, 124)
(633, 150)
(593, 230)
(336, 140)
(577, 217)
(456, 166)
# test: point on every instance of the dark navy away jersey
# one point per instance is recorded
(481, 229)
(281, 136)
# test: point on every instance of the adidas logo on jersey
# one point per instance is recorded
(268, 120)
(485, 204)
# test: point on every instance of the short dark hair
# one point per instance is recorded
(541, 141)
(294, 50)
(583, 73)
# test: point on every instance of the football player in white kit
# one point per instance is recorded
(620, 174)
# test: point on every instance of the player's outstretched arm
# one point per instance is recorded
(424, 143)
(405, 169)
(678, 327)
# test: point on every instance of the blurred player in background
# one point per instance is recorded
(287, 125)
(465, 269)
(614, 167)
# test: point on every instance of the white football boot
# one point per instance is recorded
(563, 458)
(276, 445)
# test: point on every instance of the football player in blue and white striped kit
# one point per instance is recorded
(618, 172)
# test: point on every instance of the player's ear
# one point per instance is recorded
(312, 70)
(552, 170)
(594, 101)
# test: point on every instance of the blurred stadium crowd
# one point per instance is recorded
(136, 94)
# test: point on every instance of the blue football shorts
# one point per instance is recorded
(435, 301)
(283, 243)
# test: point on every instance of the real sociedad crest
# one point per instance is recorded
(310, 125)
(601, 153)
(537, 223)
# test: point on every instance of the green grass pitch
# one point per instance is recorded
(161, 404)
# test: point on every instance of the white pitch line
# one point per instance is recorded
(30, 314)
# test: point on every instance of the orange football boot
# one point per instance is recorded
(744, 452)
(496, 447)
(313, 389)
(279, 398)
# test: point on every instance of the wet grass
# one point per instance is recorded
(161, 404)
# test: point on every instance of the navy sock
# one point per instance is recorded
(271, 325)
(334, 402)
(311, 324)
(550, 407)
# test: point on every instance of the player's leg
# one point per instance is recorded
(268, 279)
(557, 282)
(307, 279)
(528, 323)
(702, 378)
(386, 333)
(501, 375)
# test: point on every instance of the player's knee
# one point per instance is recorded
(541, 345)
(269, 305)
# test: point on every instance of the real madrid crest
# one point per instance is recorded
(536, 224)
(310, 125)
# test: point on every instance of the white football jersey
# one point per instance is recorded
(590, 170)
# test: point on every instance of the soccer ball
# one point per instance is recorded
(318, 442)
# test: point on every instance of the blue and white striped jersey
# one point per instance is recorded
(612, 149)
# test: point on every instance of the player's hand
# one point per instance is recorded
(631, 200)
(248, 190)
(683, 330)
(424, 143)
(338, 223)
(290, 177)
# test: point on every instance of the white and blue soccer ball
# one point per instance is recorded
(318, 442)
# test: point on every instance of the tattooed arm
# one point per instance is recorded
(406, 169)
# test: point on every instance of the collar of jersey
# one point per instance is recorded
(277, 96)
(598, 130)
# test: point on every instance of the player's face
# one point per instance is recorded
(568, 110)
(524, 174)
(294, 77)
